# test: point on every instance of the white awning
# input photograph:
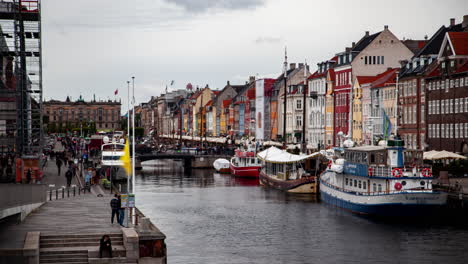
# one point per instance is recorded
(436, 155)
(275, 155)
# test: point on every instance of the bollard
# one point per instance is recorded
(50, 195)
(68, 192)
(63, 193)
(56, 194)
(74, 191)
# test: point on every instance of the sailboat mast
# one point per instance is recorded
(304, 91)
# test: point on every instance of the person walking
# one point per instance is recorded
(28, 176)
(121, 212)
(115, 206)
(105, 245)
(59, 164)
(69, 176)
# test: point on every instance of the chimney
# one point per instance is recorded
(452, 22)
(301, 65)
(292, 66)
(465, 22)
(353, 45)
(228, 83)
(252, 79)
(367, 34)
(347, 49)
(385, 27)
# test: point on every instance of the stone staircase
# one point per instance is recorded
(80, 249)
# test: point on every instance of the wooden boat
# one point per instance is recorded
(284, 171)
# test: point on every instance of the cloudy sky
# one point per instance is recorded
(95, 47)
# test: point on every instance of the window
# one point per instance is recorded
(456, 131)
(360, 184)
(378, 59)
(380, 187)
(374, 187)
(346, 181)
(364, 185)
(355, 183)
(365, 60)
(298, 121)
(382, 59)
(299, 104)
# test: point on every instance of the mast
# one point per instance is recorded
(285, 94)
(304, 91)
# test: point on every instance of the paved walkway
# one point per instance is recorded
(80, 214)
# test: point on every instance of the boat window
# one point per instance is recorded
(372, 158)
(360, 185)
(364, 185)
(374, 187)
(380, 187)
(346, 181)
(355, 183)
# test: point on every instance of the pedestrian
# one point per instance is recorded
(105, 245)
(59, 164)
(28, 176)
(121, 212)
(69, 176)
(115, 206)
(88, 177)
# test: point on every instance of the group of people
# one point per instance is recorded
(117, 209)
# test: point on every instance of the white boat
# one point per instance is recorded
(110, 157)
(222, 166)
(376, 180)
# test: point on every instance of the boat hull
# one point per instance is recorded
(224, 170)
(249, 172)
(302, 185)
(389, 205)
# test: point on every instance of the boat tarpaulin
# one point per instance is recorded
(276, 155)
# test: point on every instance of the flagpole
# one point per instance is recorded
(128, 138)
(133, 136)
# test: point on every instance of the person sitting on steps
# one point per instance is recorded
(105, 245)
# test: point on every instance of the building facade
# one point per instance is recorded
(68, 114)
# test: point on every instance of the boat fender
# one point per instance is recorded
(426, 172)
(369, 171)
(398, 186)
(397, 172)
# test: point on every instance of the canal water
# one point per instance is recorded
(213, 218)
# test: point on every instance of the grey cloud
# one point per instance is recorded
(261, 40)
(205, 5)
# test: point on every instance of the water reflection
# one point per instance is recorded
(217, 218)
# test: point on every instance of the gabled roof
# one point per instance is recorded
(414, 45)
(366, 79)
(364, 42)
(385, 78)
(459, 42)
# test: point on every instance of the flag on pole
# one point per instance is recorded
(116, 92)
(387, 126)
(127, 163)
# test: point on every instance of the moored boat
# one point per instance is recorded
(111, 152)
(245, 163)
(284, 171)
(376, 180)
(221, 166)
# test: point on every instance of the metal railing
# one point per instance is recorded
(64, 192)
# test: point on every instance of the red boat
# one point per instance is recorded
(245, 164)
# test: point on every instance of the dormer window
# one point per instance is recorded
(452, 63)
(422, 62)
(443, 65)
(350, 57)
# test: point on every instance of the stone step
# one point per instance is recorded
(117, 251)
(74, 244)
(81, 239)
(109, 260)
(62, 252)
(64, 260)
(64, 255)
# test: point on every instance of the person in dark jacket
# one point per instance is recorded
(28, 176)
(105, 245)
(59, 164)
(69, 176)
(115, 206)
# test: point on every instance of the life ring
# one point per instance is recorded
(397, 172)
(426, 172)
(398, 186)
(369, 171)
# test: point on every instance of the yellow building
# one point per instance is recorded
(199, 117)
(360, 83)
(329, 109)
